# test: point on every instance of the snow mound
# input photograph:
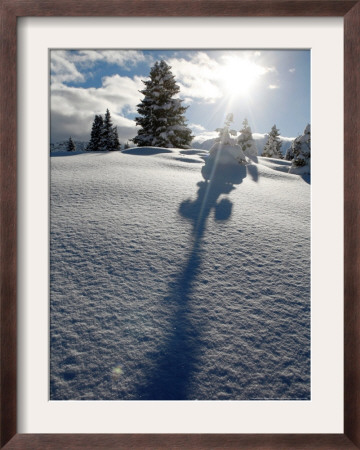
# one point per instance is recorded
(175, 155)
(224, 164)
(227, 154)
(280, 165)
(251, 149)
(194, 151)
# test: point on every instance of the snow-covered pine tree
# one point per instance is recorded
(225, 149)
(96, 138)
(246, 141)
(70, 145)
(269, 150)
(301, 149)
(161, 116)
(225, 132)
(115, 139)
(272, 148)
(289, 155)
(126, 145)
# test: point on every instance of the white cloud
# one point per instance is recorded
(204, 136)
(66, 65)
(73, 108)
(274, 86)
(292, 70)
(62, 69)
(196, 77)
(123, 58)
(196, 127)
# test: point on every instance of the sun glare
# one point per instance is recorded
(238, 76)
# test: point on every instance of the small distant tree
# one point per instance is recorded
(109, 136)
(225, 132)
(96, 138)
(225, 147)
(70, 145)
(272, 148)
(115, 144)
(161, 116)
(126, 145)
(246, 141)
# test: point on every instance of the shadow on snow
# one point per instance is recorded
(145, 151)
(306, 178)
(177, 357)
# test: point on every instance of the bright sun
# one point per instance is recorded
(238, 75)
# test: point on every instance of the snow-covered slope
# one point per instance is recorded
(168, 285)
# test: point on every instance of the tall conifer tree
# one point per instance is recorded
(161, 116)
(107, 132)
(115, 144)
(96, 139)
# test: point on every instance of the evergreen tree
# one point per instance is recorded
(70, 145)
(225, 148)
(115, 139)
(272, 148)
(301, 149)
(126, 146)
(96, 138)
(107, 132)
(225, 132)
(289, 155)
(161, 116)
(109, 136)
(246, 141)
(113, 143)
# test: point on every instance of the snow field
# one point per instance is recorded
(165, 286)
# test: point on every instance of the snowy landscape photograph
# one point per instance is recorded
(180, 244)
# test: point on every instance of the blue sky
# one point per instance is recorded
(267, 87)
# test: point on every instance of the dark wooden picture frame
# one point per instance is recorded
(10, 11)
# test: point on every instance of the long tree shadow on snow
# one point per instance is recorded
(176, 359)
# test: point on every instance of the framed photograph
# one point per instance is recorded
(186, 296)
(171, 324)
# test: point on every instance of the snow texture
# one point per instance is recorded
(172, 279)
